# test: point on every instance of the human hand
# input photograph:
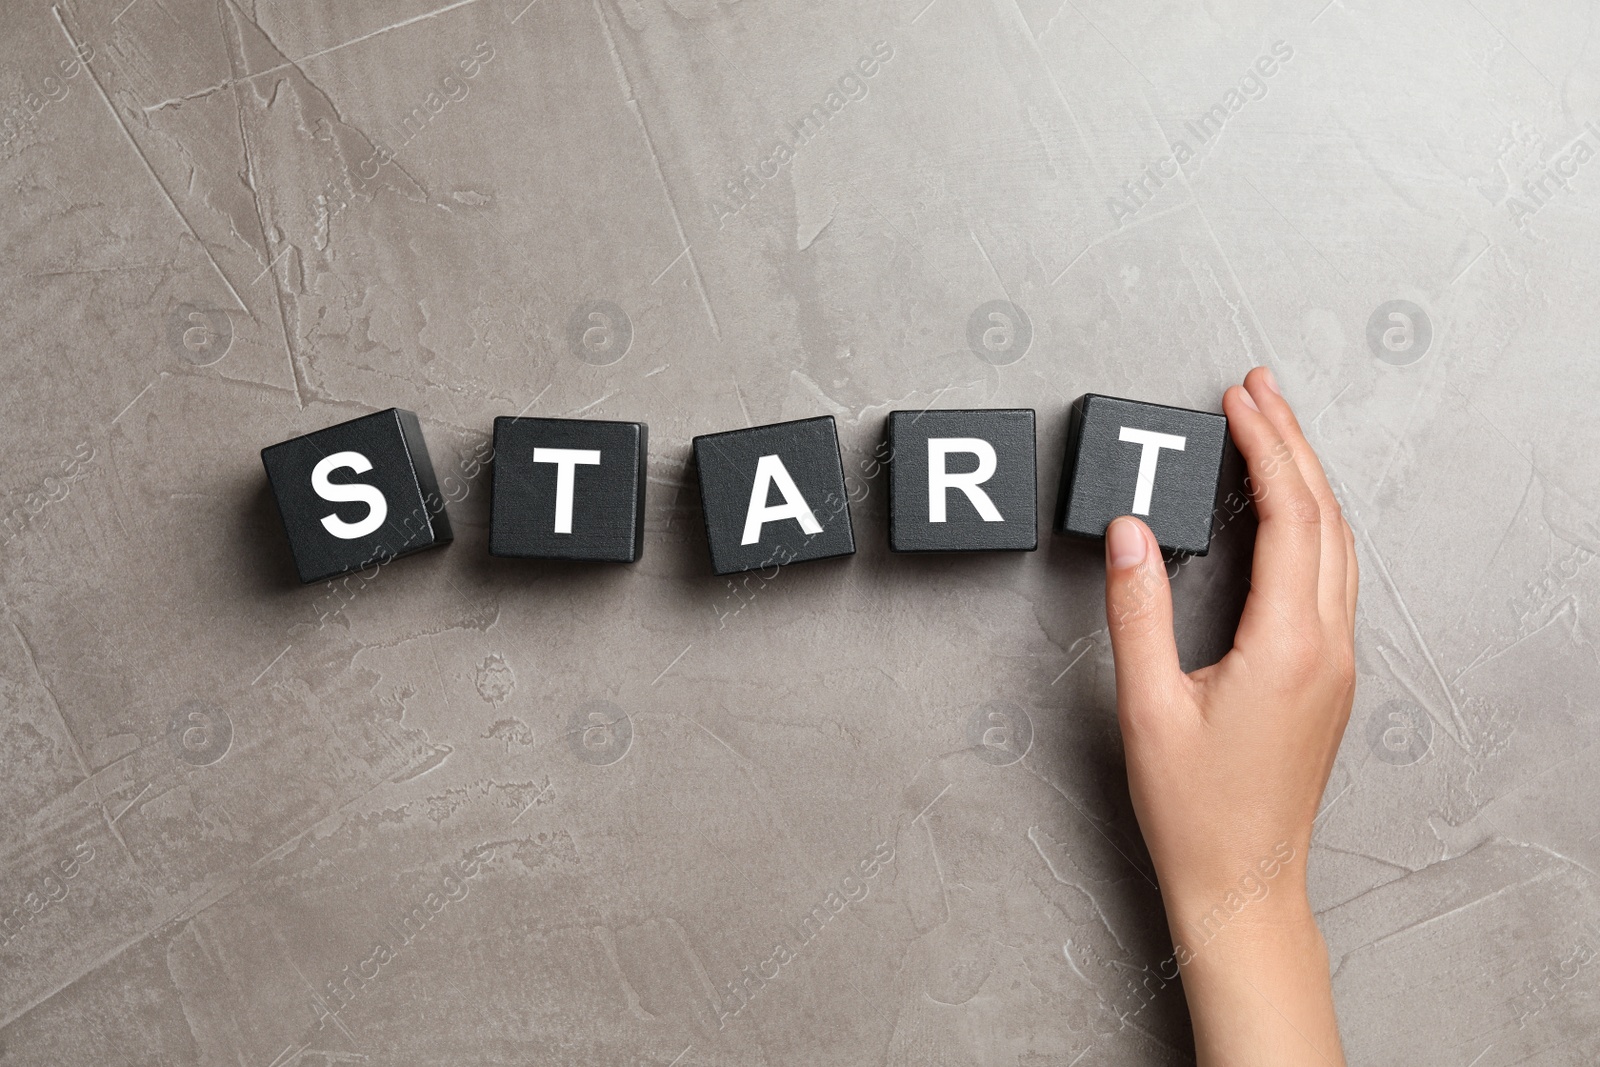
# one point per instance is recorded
(1227, 764)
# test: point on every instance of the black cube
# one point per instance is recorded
(796, 464)
(357, 494)
(962, 481)
(568, 489)
(1160, 463)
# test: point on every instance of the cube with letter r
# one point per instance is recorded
(357, 494)
(962, 481)
(1160, 463)
(773, 495)
(568, 489)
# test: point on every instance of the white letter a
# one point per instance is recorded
(770, 471)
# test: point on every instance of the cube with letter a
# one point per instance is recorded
(774, 495)
(1159, 463)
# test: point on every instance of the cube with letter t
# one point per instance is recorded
(357, 494)
(773, 495)
(568, 489)
(962, 481)
(1157, 462)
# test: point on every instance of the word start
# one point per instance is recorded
(364, 492)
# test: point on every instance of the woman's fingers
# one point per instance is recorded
(1263, 388)
(1286, 568)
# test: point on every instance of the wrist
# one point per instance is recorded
(1262, 983)
(1264, 900)
(1282, 917)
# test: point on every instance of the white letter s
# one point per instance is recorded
(352, 493)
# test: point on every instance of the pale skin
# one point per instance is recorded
(1227, 764)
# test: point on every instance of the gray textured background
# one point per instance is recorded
(203, 255)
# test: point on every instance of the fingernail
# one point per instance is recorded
(1249, 400)
(1271, 380)
(1125, 545)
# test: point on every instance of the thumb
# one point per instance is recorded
(1139, 615)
